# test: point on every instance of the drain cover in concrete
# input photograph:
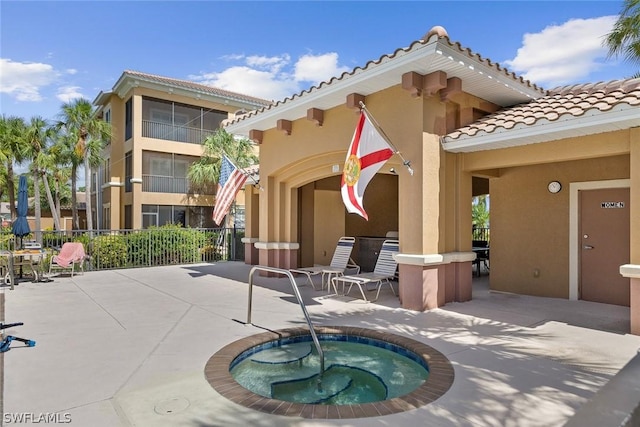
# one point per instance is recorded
(171, 406)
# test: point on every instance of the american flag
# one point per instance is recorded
(230, 182)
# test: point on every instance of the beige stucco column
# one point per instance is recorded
(419, 259)
(434, 211)
(114, 190)
(252, 226)
(435, 266)
(274, 244)
(136, 173)
(632, 270)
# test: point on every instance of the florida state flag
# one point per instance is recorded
(367, 153)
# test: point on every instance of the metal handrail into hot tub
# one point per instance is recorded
(302, 306)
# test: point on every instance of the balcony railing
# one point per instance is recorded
(481, 233)
(169, 184)
(170, 132)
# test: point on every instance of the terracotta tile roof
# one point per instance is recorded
(253, 173)
(562, 103)
(397, 55)
(186, 84)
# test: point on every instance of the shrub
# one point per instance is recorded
(109, 251)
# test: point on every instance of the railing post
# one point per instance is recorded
(233, 244)
(296, 291)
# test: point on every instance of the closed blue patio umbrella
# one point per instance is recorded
(20, 227)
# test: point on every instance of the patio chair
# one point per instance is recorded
(339, 263)
(71, 254)
(384, 272)
(481, 249)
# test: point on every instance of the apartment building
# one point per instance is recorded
(158, 125)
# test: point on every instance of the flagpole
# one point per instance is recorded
(405, 162)
(255, 183)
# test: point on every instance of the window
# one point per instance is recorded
(201, 217)
(128, 119)
(239, 217)
(106, 218)
(128, 171)
(128, 219)
(149, 216)
(174, 121)
(160, 166)
(106, 176)
(165, 172)
(159, 215)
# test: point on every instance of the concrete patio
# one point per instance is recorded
(128, 348)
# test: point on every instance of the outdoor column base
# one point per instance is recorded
(421, 288)
(251, 253)
(431, 281)
(632, 271)
(278, 255)
(634, 306)
(458, 279)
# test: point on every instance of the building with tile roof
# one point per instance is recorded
(561, 167)
(158, 126)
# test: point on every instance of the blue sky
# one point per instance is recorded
(53, 51)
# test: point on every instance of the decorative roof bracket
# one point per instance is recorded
(315, 115)
(454, 87)
(284, 125)
(256, 135)
(354, 100)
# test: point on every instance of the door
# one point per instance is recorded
(604, 245)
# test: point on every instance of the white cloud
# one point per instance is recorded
(71, 71)
(273, 77)
(68, 93)
(317, 68)
(272, 63)
(565, 53)
(233, 57)
(247, 80)
(25, 80)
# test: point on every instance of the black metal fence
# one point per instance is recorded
(156, 246)
(480, 233)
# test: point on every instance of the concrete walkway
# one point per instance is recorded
(128, 348)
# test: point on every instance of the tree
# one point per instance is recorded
(12, 130)
(480, 212)
(53, 164)
(78, 118)
(206, 170)
(624, 39)
(37, 134)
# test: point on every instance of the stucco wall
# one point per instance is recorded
(524, 216)
(380, 202)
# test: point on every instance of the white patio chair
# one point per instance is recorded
(340, 261)
(70, 254)
(383, 272)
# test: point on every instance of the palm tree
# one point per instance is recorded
(37, 134)
(206, 170)
(480, 212)
(78, 118)
(12, 130)
(624, 39)
(54, 162)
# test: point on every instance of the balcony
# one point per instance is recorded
(170, 132)
(169, 184)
